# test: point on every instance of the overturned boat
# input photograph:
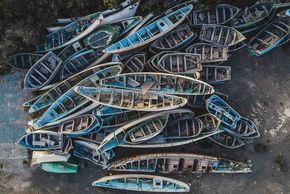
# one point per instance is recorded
(159, 82)
(215, 74)
(270, 37)
(220, 35)
(150, 32)
(174, 40)
(72, 102)
(130, 99)
(141, 182)
(209, 53)
(222, 14)
(42, 73)
(179, 163)
(23, 60)
(228, 116)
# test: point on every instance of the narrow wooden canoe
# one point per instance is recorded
(214, 74)
(42, 73)
(71, 101)
(159, 82)
(270, 37)
(220, 15)
(179, 163)
(78, 126)
(130, 99)
(209, 53)
(23, 60)
(45, 141)
(174, 40)
(88, 151)
(220, 35)
(199, 101)
(72, 32)
(180, 63)
(141, 182)
(59, 167)
(52, 95)
(227, 140)
(136, 63)
(150, 32)
(253, 17)
(227, 115)
(245, 128)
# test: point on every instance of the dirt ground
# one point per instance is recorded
(259, 89)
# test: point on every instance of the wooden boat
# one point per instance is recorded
(227, 140)
(253, 17)
(209, 53)
(150, 32)
(214, 74)
(178, 38)
(245, 128)
(141, 24)
(78, 126)
(179, 163)
(210, 123)
(23, 60)
(120, 119)
(97, 137)
(198, 101)
(270, 37)
(72, 32)
(127, 9)
(52, 95)
(159, 82)
(136, 63)
(88, 151)
(104, 111)
(39, 157)
(45, 141)
(227, 115)
(59, 167)
(26, 105)
(220, 15)
(220, 35)
(180, 63)
(71, 101)
(42, 72)
(154, 63)
(130, 99)
(141, 182)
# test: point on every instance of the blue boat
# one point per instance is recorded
(270, 37)
(77, 126)
(89, 151)
(46, 141)
(72, 101)
(150, 32)
(216, 106)
(142, 182)
(159, 82)
(178, 38)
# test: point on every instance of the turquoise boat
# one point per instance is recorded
(142, 182)
(52, 95)
(270, 37)
(71, 101)
(228, 116)
(59, 167)
(159, 82)
(23, 60)
(151, 32)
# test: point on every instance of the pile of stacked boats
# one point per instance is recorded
(111, 81)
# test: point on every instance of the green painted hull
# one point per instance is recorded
(59, 167)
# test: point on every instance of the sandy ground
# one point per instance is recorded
(259, 89)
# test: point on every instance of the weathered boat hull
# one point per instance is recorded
(23, 60)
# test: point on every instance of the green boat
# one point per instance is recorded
(59, 167)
